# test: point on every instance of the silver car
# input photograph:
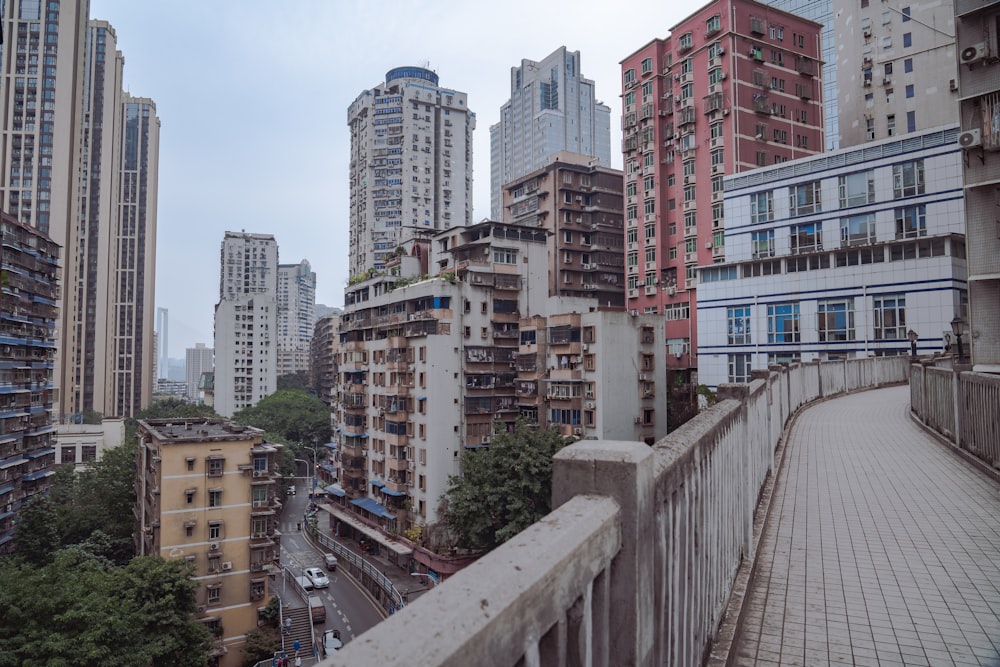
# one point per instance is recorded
(317, 577)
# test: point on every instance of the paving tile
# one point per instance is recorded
(880, 548)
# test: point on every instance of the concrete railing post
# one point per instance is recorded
(741, 393)
(624, 471)
(956, 390)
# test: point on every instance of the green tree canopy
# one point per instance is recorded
(292, 414)
(297, 380)
(77, 611)
(503, 489)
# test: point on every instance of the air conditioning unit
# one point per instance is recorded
(725, 112)
(200, 609)
(586, 347)
(638, 420)
(953, 86)
(971, 138)
(722, 76)
(721, 51)
(226, 566)
(486, 439)
(589, 405)
(578, 431)
(759, 136)
(671, 290)
(641, 283)
(214, 546)
(973, 54)
(634, 312)
(708, 245)
(259, 473)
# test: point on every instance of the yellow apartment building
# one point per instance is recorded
(207, 493)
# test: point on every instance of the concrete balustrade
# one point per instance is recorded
(961, 406)
(637, 563)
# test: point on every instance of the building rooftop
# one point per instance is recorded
(200, 430)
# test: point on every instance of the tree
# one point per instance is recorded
(292, 414)
(76, 610)
(503, 489)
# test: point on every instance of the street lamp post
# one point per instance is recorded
(957, 327)
(914, 337)
(312, 470)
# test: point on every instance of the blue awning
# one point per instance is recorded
(334, 491)
(373, 507)
(6, 488)
(6, 538)
(331, 445)
(377, 483)
(40, 452)
(12, 461)
(389, 492)
(363, 436)
(38, 474)
(4, 515)
(326, 465)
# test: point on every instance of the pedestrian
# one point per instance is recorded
(288, 625)
(298, 661)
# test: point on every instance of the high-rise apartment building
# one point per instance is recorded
(28, 298)
(431, 367)
(128, 381)
(325, 346)
(581, 204)
(821, 12)
(296, 316)
(978, 49)
(66, 171)
(162, 352)
(735, 87)
(410, 166)
(552, 108)
(896, 68)
(198, 359)
(206, 492)
(246, 322)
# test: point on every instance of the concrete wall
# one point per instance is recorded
(637, 563)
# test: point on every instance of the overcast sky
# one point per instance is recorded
(252, 98)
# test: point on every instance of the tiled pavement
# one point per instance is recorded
(881, 548)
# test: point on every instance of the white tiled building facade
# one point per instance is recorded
(837, 256)
(296, 316)
(246, 322)
(411, 164)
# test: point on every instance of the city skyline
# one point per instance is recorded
(214, 123)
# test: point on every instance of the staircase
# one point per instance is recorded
(302, 631)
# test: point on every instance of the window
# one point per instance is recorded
(911, 121)
(762, 243)
(911, 222)
(214, 593)
(713, 25)
(836, 320)
(630, 189)
(67, 454)
(761, 206)
(215, 530)
(890, 124)
(629, 77)
(857, 230)
(905, 11)
(647, 65)
(215, 467)
(686, 41)
(907, 40)
(807, 237)
(739, 367)
(783, 323)
(630, 98)
(805, 198)
(908, 179)
(190, 463)
(738, 321)
(890, 317)
(870, 125)
(88, 453)
(857, 189)
(908, 65)
(909, 90)
(215, 498)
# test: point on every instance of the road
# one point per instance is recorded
(348, 608)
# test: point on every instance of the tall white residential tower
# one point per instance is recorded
(411, 164)
(246, 322)
(296, 316)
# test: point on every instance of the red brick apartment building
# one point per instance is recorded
(734, 87)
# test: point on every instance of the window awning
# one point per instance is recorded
(371, 506)
(40, 452)
(38, 474)
(336, 491)
(331, 445)
(12, 462)
(377, 484)
(389, 492)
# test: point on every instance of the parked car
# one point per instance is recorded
(317, 577)
(331, 562)
(317, 608)
(331, 641)
(291, 490)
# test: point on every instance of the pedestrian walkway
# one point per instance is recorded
(880, 547)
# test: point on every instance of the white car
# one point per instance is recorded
(291, 490)
(317, 577)
(331, 641)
